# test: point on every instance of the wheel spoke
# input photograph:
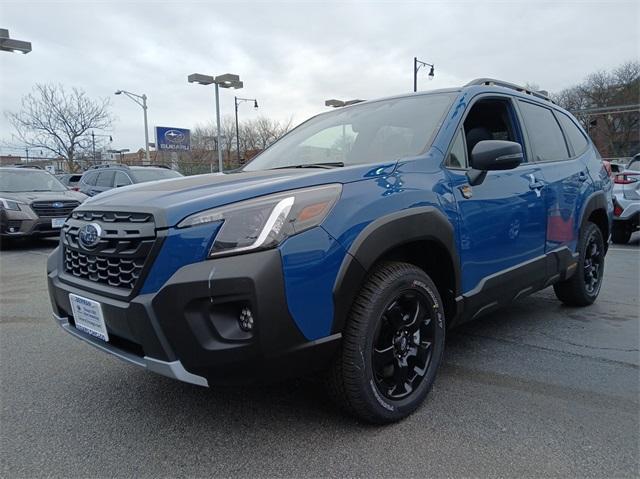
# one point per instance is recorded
(394, 315)
(400, 387)
(382, 358)
(416, 319)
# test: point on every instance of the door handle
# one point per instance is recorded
(536, 185)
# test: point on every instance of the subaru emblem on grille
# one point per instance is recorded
(57, 204)
(89, 235)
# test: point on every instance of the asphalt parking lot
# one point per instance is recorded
(538, 389)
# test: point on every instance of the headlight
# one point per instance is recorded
(264, 222)
(10, 204)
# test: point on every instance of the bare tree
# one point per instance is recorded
(604, 90)
(58, 120)
(254, 135)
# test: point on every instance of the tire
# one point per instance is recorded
(621, 233)
(377, 375)
(583, 287)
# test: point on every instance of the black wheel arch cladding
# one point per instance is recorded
(423, 223)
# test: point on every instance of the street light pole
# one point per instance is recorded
(93, 145)
(417, 64)
(228, 80)
(146, 129)
(237, 102)
(142, 101)
(219, 148)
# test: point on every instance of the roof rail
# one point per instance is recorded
(491, 81)
(107, 165)
(166, 167)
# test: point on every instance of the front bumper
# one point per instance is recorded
(189, 328)
(20, 224)
(172, 369)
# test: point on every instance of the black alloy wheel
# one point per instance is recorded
(403, 345)
(392, 345)
(583, 286)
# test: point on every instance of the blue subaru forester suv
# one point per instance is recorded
(348, 247)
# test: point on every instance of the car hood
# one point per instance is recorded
(172, 200)
(31, 196)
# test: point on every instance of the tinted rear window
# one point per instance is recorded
(105, 179)
(544, 133)
(152, 174)
(574, 135)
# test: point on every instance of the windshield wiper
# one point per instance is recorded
(327, 165)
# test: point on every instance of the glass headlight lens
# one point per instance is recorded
(265, 222)
(10, 204)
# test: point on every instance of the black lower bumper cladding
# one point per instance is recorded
(190, 328)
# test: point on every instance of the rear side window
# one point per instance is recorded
(105, 179)
(545, 136)
(90, 178)
(573, 133)
(121, 179)
(634, 165)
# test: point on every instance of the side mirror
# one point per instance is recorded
(492, 155)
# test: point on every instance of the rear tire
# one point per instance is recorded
(583, 287)
(621, 232)
(392, 345)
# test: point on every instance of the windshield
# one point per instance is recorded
(29, 180)
(148, 174)
(374, 132)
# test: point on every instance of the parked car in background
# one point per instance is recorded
(33, 202)
(70, 180)
(626, 212)
(348, 246)
(101, 178)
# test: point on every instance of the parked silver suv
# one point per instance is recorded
(33, 202)
(626, 191)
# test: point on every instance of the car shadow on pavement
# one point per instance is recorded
(23, 244)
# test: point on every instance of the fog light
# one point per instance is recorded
(246, 319)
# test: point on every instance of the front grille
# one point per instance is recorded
(120, 255)
(47, 209)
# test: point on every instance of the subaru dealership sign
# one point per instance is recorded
(172, 139)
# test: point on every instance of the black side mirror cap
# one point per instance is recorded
(493, 155)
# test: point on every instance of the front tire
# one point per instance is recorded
(583, 287)
(392, 346)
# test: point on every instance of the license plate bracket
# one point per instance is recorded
(88, 316)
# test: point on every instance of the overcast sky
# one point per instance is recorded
(294, 55)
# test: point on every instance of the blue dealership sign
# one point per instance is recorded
(172, 139)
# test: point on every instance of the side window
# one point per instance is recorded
(544, 133)
(457, 157)
(491, 119)
(574, 135)
(90, 179)
(105, 179)
(121, 179)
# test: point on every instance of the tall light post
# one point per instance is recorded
(417, 64)
(228, 80)
(142, 101)
(8, 44)
(237, 102)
